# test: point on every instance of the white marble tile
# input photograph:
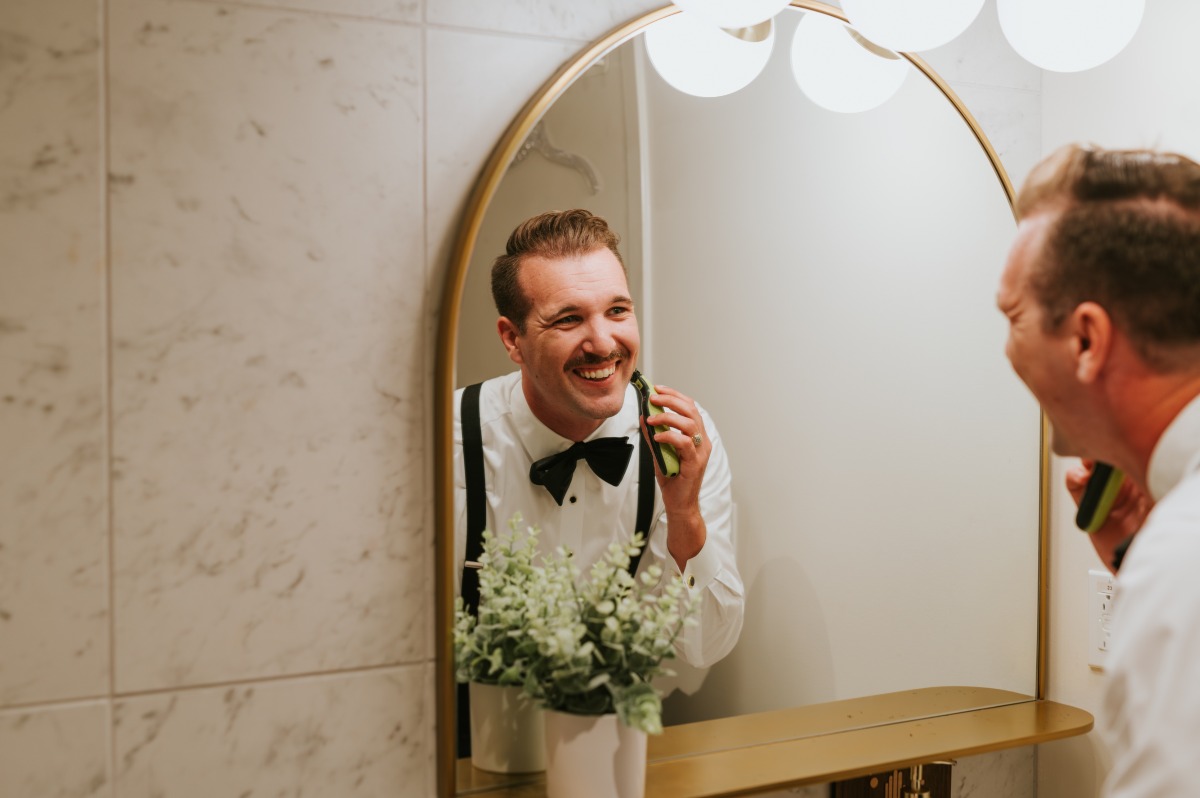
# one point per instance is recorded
(983, 56)
(1011, 119)
(1011, 773)
(430, 731)
(393, 10)
(53, 535)
(358, 735)
(476, 84)
(58, 752)
(268, 300)
(568, 19)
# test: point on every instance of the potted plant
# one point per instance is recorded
(585, 649)
(600, 641)
(492, 651)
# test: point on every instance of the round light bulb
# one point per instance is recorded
(1069, 35)
(697, 58)
(913, 25)
(733, 13)
(839, 71)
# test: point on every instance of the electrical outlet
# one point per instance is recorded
(1100, 603)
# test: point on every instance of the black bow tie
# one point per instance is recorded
(608, 458)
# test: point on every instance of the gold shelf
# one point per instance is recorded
(826, 742)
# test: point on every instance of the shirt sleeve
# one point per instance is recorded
(711, 578)
(1151, 704)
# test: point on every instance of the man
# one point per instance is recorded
(567, 320)
(1102, 293)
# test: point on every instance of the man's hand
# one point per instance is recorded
(1129, 510)
(686, 530)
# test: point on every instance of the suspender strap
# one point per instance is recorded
(476, 493)
(476, 521)
(645, 509)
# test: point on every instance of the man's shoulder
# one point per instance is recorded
(494, 398)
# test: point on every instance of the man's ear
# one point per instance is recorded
(1091, 340)
(510, 337)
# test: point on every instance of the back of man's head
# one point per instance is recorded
(1125, 233)
(554, 234)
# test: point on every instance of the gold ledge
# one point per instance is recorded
(834, 717)
(743, 765)
(834, 757)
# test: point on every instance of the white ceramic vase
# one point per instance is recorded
(593, 756)
(507, 732)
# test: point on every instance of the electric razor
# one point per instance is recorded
(1098, 497)
(664, 453)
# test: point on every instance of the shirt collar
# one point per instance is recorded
(1177, 452)
(541, 441)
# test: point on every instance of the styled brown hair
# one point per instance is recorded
(1126, 235)
(554, 234)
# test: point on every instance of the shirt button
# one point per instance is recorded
(691, 581)
(572, 500)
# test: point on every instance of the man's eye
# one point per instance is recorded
(618, 311)
(563, 321)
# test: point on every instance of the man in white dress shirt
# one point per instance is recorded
(567, 320)
(1102, 293)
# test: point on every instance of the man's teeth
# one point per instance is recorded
(597, 375)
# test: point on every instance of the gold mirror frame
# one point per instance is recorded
(447, 347)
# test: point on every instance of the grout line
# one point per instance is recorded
(111, 698)
(422, 21)
(284, 678)
(581, 41)
(306, 12)
(107, 368)
(430, 317)
(54, 703)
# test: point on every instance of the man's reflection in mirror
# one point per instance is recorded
(567, 320)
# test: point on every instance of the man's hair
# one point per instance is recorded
(554, 234)
(1126, 235)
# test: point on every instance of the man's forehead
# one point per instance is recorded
(1021, 255)
(596, 276)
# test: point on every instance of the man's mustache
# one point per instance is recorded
(590, 359)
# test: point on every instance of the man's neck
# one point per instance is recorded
(571, 427)
(1143, 411)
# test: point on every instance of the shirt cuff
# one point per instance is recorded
(701, 570)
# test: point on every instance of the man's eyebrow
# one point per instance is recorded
(559, 311)
(619, 299)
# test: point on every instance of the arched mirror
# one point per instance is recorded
(823, 283)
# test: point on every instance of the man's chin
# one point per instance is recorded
(1062, 446)
(600, 408)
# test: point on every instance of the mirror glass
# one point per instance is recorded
(824, 285)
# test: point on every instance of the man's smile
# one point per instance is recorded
(597, 373)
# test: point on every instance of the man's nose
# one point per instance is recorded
(600, 337)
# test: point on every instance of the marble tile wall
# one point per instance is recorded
(222, 229)
(54, 616)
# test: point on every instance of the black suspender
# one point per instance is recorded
(472, 435)
(645, 511)
(476, 492)
(476, 521)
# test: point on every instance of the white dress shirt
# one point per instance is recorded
(594, 513)
(1151, 709)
